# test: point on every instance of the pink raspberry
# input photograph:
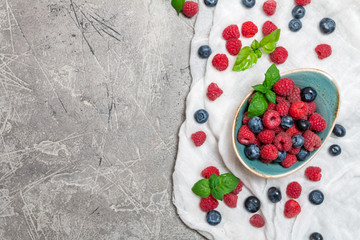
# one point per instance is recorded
(293, 131)
(206, 173)
(278, 129)
(248, 29)
(220, 62)
(238, 189)
(294, 151)
(208, 204)
(311, 107)
(269, 7)
(289, 161)
(198, 138)
(245, 135)
(268, 153)
(302, 2)
(271, 119)
(257, 221)
(279, 99)
(230, 200)
(298, 110)
(190, 9)
(233, 46)
(245, 119)
(266, 136)
(283, 108)
(312, 141)
(292, 209)
(257, 142)
(323, 51)
(213, 92)
(271, 106)
(293, 190)
(283, 142)
(268, 28)
(284, 86)
(279, 56)
(231, 31)
(317, 123)
(294, 95)
(313, 173)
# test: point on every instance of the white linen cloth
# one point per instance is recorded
(339, 214)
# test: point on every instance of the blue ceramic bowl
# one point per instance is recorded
(327, 102)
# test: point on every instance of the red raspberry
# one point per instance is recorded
(233, 46)
(293, 190)
(250, 98)
(248, 29)
(190, 9)
(311, 107)
(279, 56)
(279, 99)
(284, 86)
(220, 62)
(289, 161)
(298, 110)
(206, 173)
(269, 153)
(293, 131)
(323, 51)
(230, 200)
(283, 108)
(245, 135)
(283, 142)
(292, 209)
(231, 31)
(317, 123)
(245, 119)
(269, 7)
(238, 189)
(271, 119)
(257, 221)
(294, 95)
(294, 151)
(278, 129)
(268, 28)
(213, 92)
(198, 138)
(312, 141)
(271, 106)
(313, 173)
(208, 204)
(257, 142)
(266, 136)
(302, 2)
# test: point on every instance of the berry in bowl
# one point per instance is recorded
(282, 124)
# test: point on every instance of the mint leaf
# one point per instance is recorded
(260, 88)
(178, 5)
(258, 105)
(245, 59)
(269, 42)
(213, 181)
(255, 44)
(201, 188)
(258, 53)
(271, 96)
(272, 75)
(227, 183)
(217, 194)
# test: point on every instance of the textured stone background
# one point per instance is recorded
(91, 99)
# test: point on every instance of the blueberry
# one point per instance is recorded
(252, 204)
(204, 51)
(210, 3)
(316, 197)
(213, 217)
(255, 124)
(335, 150)
(201, 116)
(316, 236)
(303, 154)
(339, 130)
(302, 124)
(308, 94)
(297, 141)
(248, 3)
(252, 151)
(274, 194)
(281, 156)
(298, 12)
(287, 122)
(327, 25)
(295, 25)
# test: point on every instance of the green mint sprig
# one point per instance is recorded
(178, 5)
(264, 94)
(217, 186)
(248, 56)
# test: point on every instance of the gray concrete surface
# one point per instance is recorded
(91, 99)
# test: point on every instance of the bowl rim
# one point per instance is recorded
(332, 79)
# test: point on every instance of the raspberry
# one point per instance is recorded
(206, 173)
(248, 29)
(268, 28)
(213, 92)
(271, 106)
(283, 142)
(231, 31)
(293, 131)
(288, 161)
(312, 141)
(190, 9)
(269, 7)
(279, 56)
(294, 151)
(283, 108)
(220, 62)
(238, 188)
(271, 119)
(292, 209)
(298, 110)
(278, 129)
(208, 204)
(266, 136)
(279, 99)
(302, 2)
(317, 123)
(245, 119)
(323, 51)
(257, 142)
(313, 173)
(311, 107)
(245, 135)
(230, 200)
(250, 98)
(269, 153)
(294, 96)
(293, 190)
(284, 86)
(233, 46)
(257, 221)
(198, 138)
